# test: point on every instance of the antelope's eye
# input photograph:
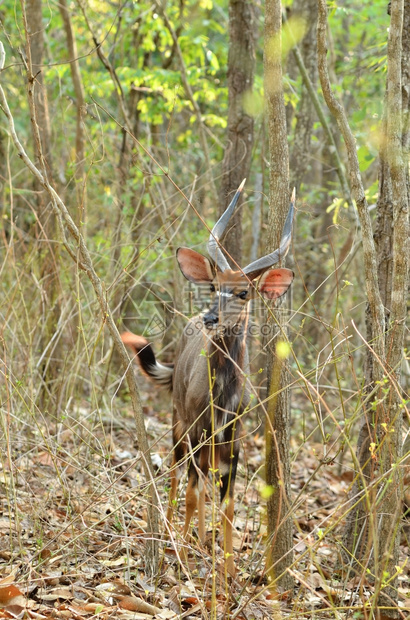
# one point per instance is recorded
(242, 294)
(212, 288)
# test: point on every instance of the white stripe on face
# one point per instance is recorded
(221, 294)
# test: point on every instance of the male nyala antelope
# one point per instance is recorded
(208, 375)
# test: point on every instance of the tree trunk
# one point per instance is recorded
(237, 158)
(280, 554)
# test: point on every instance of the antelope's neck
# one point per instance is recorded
(227, 353)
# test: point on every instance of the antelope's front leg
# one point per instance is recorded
(175, 477)
(191, 496)
(203, 477)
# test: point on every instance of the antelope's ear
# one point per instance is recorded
(275, 282)
(195, 267)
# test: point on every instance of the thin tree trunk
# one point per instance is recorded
(389, 510)
(35, 53)
(48, 253)
(317, 274)
(305, 117)
(237, 158)
(79, 173)
(278, 424)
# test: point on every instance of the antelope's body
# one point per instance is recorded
(222, 363)
(208, 377)
(218, 402)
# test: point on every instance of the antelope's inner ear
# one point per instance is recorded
(195, 267)
(275, 282)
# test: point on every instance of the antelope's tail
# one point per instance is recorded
(160, 373)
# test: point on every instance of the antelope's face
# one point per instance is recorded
(230, 294)
(231, 291)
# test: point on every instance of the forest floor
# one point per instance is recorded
(73, 522)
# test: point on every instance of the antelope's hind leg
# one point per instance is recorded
(228, 466)
(196, 491)
(177, 458)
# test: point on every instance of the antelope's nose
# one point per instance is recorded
(210, 319)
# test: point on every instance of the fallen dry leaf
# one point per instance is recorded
(57, 593)
(168, 614)
(7, 593)
(132, 603)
